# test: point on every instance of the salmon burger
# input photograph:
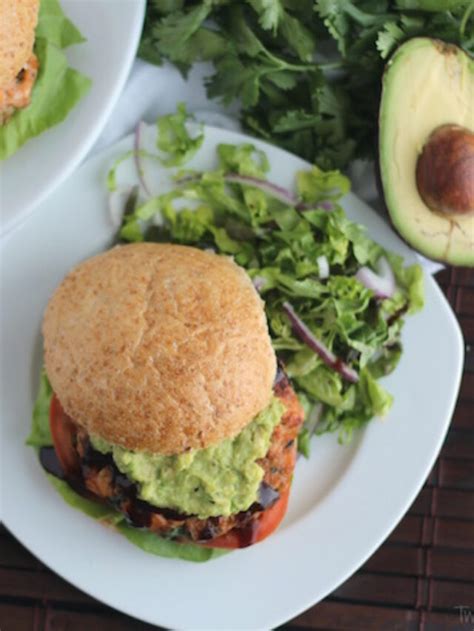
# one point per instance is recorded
(168, 401)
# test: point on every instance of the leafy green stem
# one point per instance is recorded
(284, 65)
(465, 18)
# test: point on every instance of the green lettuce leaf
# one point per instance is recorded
(175, 139)
(375, 397)
(152, 544)
(304, 442)
(54, 26)
(386, 362)
(411, 280)
(58, 87)
(317, 185)
(244, 159)
(40, 436)
(280, 245)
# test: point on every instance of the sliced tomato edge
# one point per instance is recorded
(63, 432)
(267, 523)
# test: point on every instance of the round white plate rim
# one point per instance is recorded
(87, 141)
(301, 526)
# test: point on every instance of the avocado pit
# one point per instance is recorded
(445, 171)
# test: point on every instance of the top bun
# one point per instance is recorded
(159, 348)
(17, 36)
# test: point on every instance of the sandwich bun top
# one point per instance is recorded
(17, 36)
(159, 348)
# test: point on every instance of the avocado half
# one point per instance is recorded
(426, 148)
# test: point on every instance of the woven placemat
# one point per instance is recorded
(421, 578)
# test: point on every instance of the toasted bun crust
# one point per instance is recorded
(17, 36)
(159, 348)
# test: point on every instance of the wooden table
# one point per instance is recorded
(422, 577)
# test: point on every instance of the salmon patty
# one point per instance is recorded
(17, 94)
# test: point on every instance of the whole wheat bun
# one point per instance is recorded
(18, 20)
(159, 348)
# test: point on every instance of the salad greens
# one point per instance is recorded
(174, 138)
(284, 239)
(58, 87)
(40, 436)
(307, 72)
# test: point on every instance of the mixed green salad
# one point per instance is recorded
(58, 87)
(335, 300)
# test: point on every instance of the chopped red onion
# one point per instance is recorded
(382, 284)
(328, 357)
(323, 265)
(137, 156)
(275, 191)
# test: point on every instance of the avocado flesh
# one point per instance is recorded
(427, 84)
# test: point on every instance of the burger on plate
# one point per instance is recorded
(168, 402)
(18, 63)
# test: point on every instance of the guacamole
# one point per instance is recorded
(219, 480)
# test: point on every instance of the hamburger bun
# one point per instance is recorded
(159, 348)
(17, 36)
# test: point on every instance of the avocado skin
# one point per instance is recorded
(443, 238)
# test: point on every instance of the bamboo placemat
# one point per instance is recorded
(421, 578)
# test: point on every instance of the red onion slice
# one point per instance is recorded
(328, 357)
(273, 190)
(382, 284)
(137, 156)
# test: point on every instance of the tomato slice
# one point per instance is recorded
(63, 431)
(266, 524)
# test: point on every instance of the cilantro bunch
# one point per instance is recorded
(282, 238)
(307, 73)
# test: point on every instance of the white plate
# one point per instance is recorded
(112, 29)
(344, 502)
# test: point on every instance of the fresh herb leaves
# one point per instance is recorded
(308, 74)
